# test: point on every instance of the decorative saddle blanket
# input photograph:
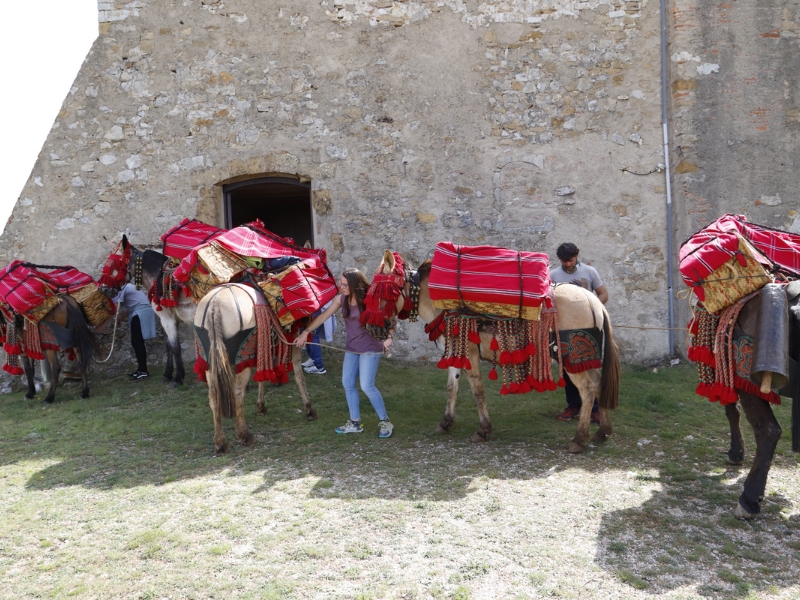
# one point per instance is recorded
(731, 258)
(186, 236)
(31, 291)
(490, 280)
(581, 349)
(297, 289)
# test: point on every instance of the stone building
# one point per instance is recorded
(364, 125)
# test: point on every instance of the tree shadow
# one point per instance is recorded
(686, 535)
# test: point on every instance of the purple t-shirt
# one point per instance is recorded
(358, 338)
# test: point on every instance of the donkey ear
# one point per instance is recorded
(125, 242)
(388, 260)
(307, 244)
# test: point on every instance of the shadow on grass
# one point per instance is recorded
(686, 535)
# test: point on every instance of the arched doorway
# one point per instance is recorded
(282, 203)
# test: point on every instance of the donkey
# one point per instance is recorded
(143, 269)
(66, 324)
(766, 429)
(225, 317)
(577, 309)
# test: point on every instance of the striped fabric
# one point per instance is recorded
(24, 286)
(715, 244)
(488, 274)
(250, 240)
(183, 238)
(307, 290)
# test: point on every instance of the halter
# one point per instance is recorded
(412, 281)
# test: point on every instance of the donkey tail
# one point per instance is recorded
(84, 338)
(220, 373)
(609, 381)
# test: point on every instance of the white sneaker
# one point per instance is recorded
(385, 428)
(315, 370)
(308, 363)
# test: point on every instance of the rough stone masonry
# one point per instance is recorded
(516, 123)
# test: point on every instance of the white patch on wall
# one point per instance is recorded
(795, 226)
(771, 200)
(108, 159)
(682, 57)
(708, 68)
(336, 151)
(65, 224)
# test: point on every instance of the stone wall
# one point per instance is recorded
(517, 123)
(735, 96)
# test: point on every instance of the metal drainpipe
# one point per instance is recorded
(670, 263)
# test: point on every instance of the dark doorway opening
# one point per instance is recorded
(282, 203)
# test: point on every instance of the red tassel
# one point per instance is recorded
(561, 382)
(466, 365)
(442, 364)
(455, 331)
(694, 327)
(457, 362)
(504, 390)
(474, 337)
(494, 345)
(513, 387)
(530, 381)
(14, 370)
(530, 349)
(699, 292)
(505, 357)
(524, 388)
(451, 361)
(493, 374)
(551, 385)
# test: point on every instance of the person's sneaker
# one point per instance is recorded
(315, 369)
(141, 375)
(350, 427)
(308, 363)
(596, 416)
(385, 428)
(569, 413)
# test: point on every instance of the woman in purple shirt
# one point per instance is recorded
(362, 352)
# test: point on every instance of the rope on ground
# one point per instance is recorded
(113, 337)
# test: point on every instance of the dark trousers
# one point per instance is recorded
(137, 341)
(573, 395)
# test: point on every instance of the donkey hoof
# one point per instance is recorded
(575, 448)
(311, 416)
(600, 436)
(220, 450)
(261, 409)
(478, 437)
(48, 400)
(441, 430)
(248, 439)
(734, 460)
(173, 385)
(740, 512)
(30, 396)
(85, 394)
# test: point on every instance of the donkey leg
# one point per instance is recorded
(767, 433)
(453, 376)
(170, 329)
(736, 451)
(588, 390)
(55, 372)
(605, 431)
(220, 447)
(261, 409)
(180, 372)
(479, 393)
(300, 379)
(84, 384)
(28, 366)
(238, 407)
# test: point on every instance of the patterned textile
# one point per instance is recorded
(519, 346)
(183, 238)
(724, 355)
(706, 251)
(490, 280)
(31, 292)
(249, 240)
(380, 304)
(581, 349)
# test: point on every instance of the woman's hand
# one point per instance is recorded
(387, 343)
(301, 339)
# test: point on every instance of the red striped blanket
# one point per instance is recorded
(183, 238)
(24, 286)
(715, 244)
(489, 275)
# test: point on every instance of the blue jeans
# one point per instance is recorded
(314, 350)
(364, 368)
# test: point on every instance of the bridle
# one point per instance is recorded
(411, 292)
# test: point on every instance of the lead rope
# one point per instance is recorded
(113, 337)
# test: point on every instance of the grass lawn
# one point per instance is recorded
(120, 496)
